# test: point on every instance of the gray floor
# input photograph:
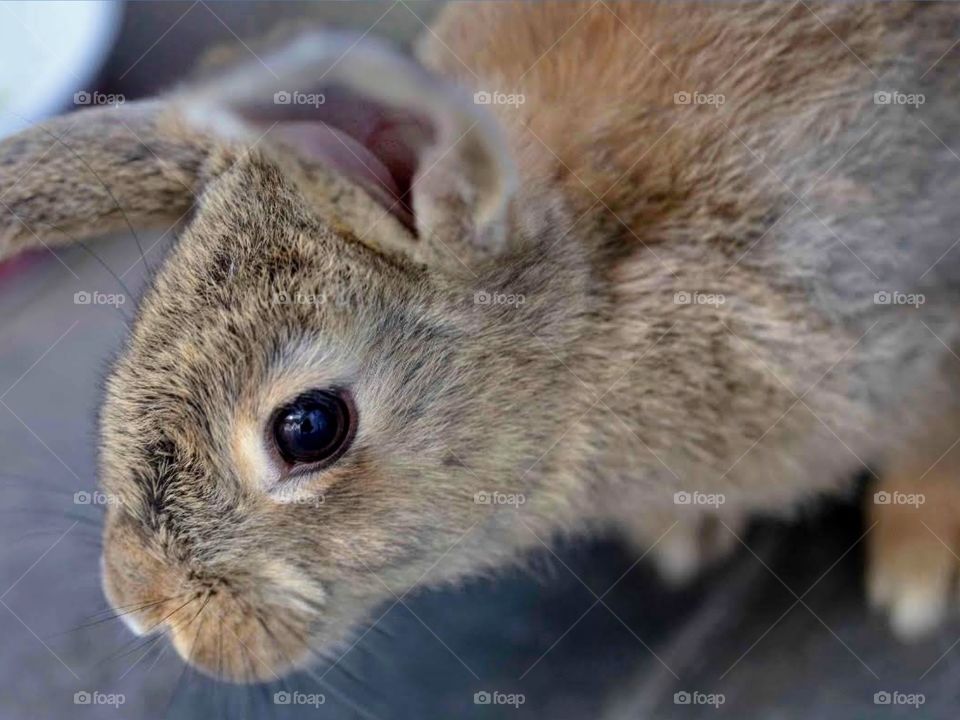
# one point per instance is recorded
(739, 631)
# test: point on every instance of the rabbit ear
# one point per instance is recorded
(96, 171)
(433, 158)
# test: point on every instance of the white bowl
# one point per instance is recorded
(48, 52)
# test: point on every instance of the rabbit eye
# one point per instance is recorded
(317, 427)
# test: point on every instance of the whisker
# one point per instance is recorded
(113, 608)
(124, 649)
(176, 689)
(112, 616)
(146, 652)
(160, 654)
(341, 696)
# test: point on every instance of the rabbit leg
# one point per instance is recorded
(913, 544)
(681, 547)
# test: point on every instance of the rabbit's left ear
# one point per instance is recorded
(422, 147)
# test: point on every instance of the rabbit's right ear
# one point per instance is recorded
(100, 170)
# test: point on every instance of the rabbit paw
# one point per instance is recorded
(913, 552)
(689, 545)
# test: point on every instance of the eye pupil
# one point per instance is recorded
(313, 428)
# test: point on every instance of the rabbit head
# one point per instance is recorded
(347, 354)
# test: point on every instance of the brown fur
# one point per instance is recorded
(600, 396)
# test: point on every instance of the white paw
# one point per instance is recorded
(912, 565)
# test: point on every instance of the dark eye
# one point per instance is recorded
(316, 427)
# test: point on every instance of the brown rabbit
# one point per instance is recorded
(649, 266)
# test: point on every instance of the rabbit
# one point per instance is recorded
(651, 268)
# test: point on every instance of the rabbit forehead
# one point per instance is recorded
(253, 307)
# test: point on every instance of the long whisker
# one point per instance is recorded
(111, 617)
(126, 650)
(160, 637)
(157, 658)
(153, 645)
(112, 609)
(176, 689)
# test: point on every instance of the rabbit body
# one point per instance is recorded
(677, 264)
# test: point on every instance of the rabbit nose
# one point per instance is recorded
(247, 623)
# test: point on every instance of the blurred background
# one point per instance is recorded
(781, 630)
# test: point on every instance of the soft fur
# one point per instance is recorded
(599, 396)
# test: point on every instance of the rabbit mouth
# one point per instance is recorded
(239, 625)
(228, 638)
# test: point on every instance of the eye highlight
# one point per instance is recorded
(314, 429)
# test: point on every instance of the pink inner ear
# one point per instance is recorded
(374, 145)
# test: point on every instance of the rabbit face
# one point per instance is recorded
(300, 427)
